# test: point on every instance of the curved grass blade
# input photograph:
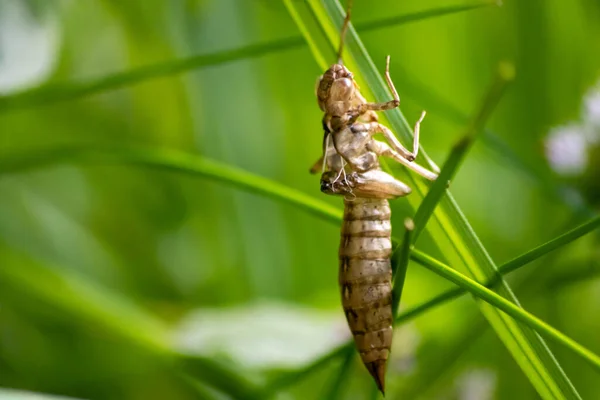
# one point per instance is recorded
(336, 389)
(438, 300)
(506, 268)
(190, 164)
(551, 245)
(220, 376)
(495, 144)
(53, 93)
(82, 300)
(506, 306)
(400, 259)
(460, 149)
(423, 15)
(445, 361)
(453, 232)
(290, 378)
(175, 161)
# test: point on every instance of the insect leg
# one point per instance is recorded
(343, 31)
(388, 105)
(375, 127)
(383, 149)
(417, 130)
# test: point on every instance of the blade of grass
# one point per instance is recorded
(429, 97)
(551, 245)
(291, 377)
(400, 259)
(175, 161)
(423, 15)
(459, 151)
(443, 360)
(452, 231)
(53, 93)
(83, 301)
(190, 164)
(93, 305)
(506, 268)
(220, 376)
(506, 306)
(336, 389)
(172, 160)
(455, 293)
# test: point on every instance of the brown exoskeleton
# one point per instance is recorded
(351, 168)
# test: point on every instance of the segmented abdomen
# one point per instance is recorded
(366, 280)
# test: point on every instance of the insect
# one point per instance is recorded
(350, 168)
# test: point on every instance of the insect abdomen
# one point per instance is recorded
(365, 278)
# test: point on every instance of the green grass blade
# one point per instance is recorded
(459, 151)
(400, 259)
(423, 15)
(54, 93)
(551, 245)
(438, 300)
(220, 376)
(336, 389)
(506, 268)
(82, 300)
(428, 96)
(509, 308)
(191, 164)
(451, 229)
(94, 305)
(173, 160)
(290, 378)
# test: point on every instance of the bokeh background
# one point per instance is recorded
(246, 280)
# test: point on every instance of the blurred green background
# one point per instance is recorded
(246, 280)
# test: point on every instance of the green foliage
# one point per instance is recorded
(160, 171)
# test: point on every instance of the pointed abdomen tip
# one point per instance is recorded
(377, 371)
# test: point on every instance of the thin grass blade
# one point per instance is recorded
(81, 300)
(172, 160)
(292, 377)
(459, 151)
(551, 245)
(342, 375)
(423, 15)
(452, 231)
(400, 259)
(53, 93)
(506, 306)
(504, 269)
(191, 164)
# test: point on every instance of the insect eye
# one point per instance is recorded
(342, 89)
